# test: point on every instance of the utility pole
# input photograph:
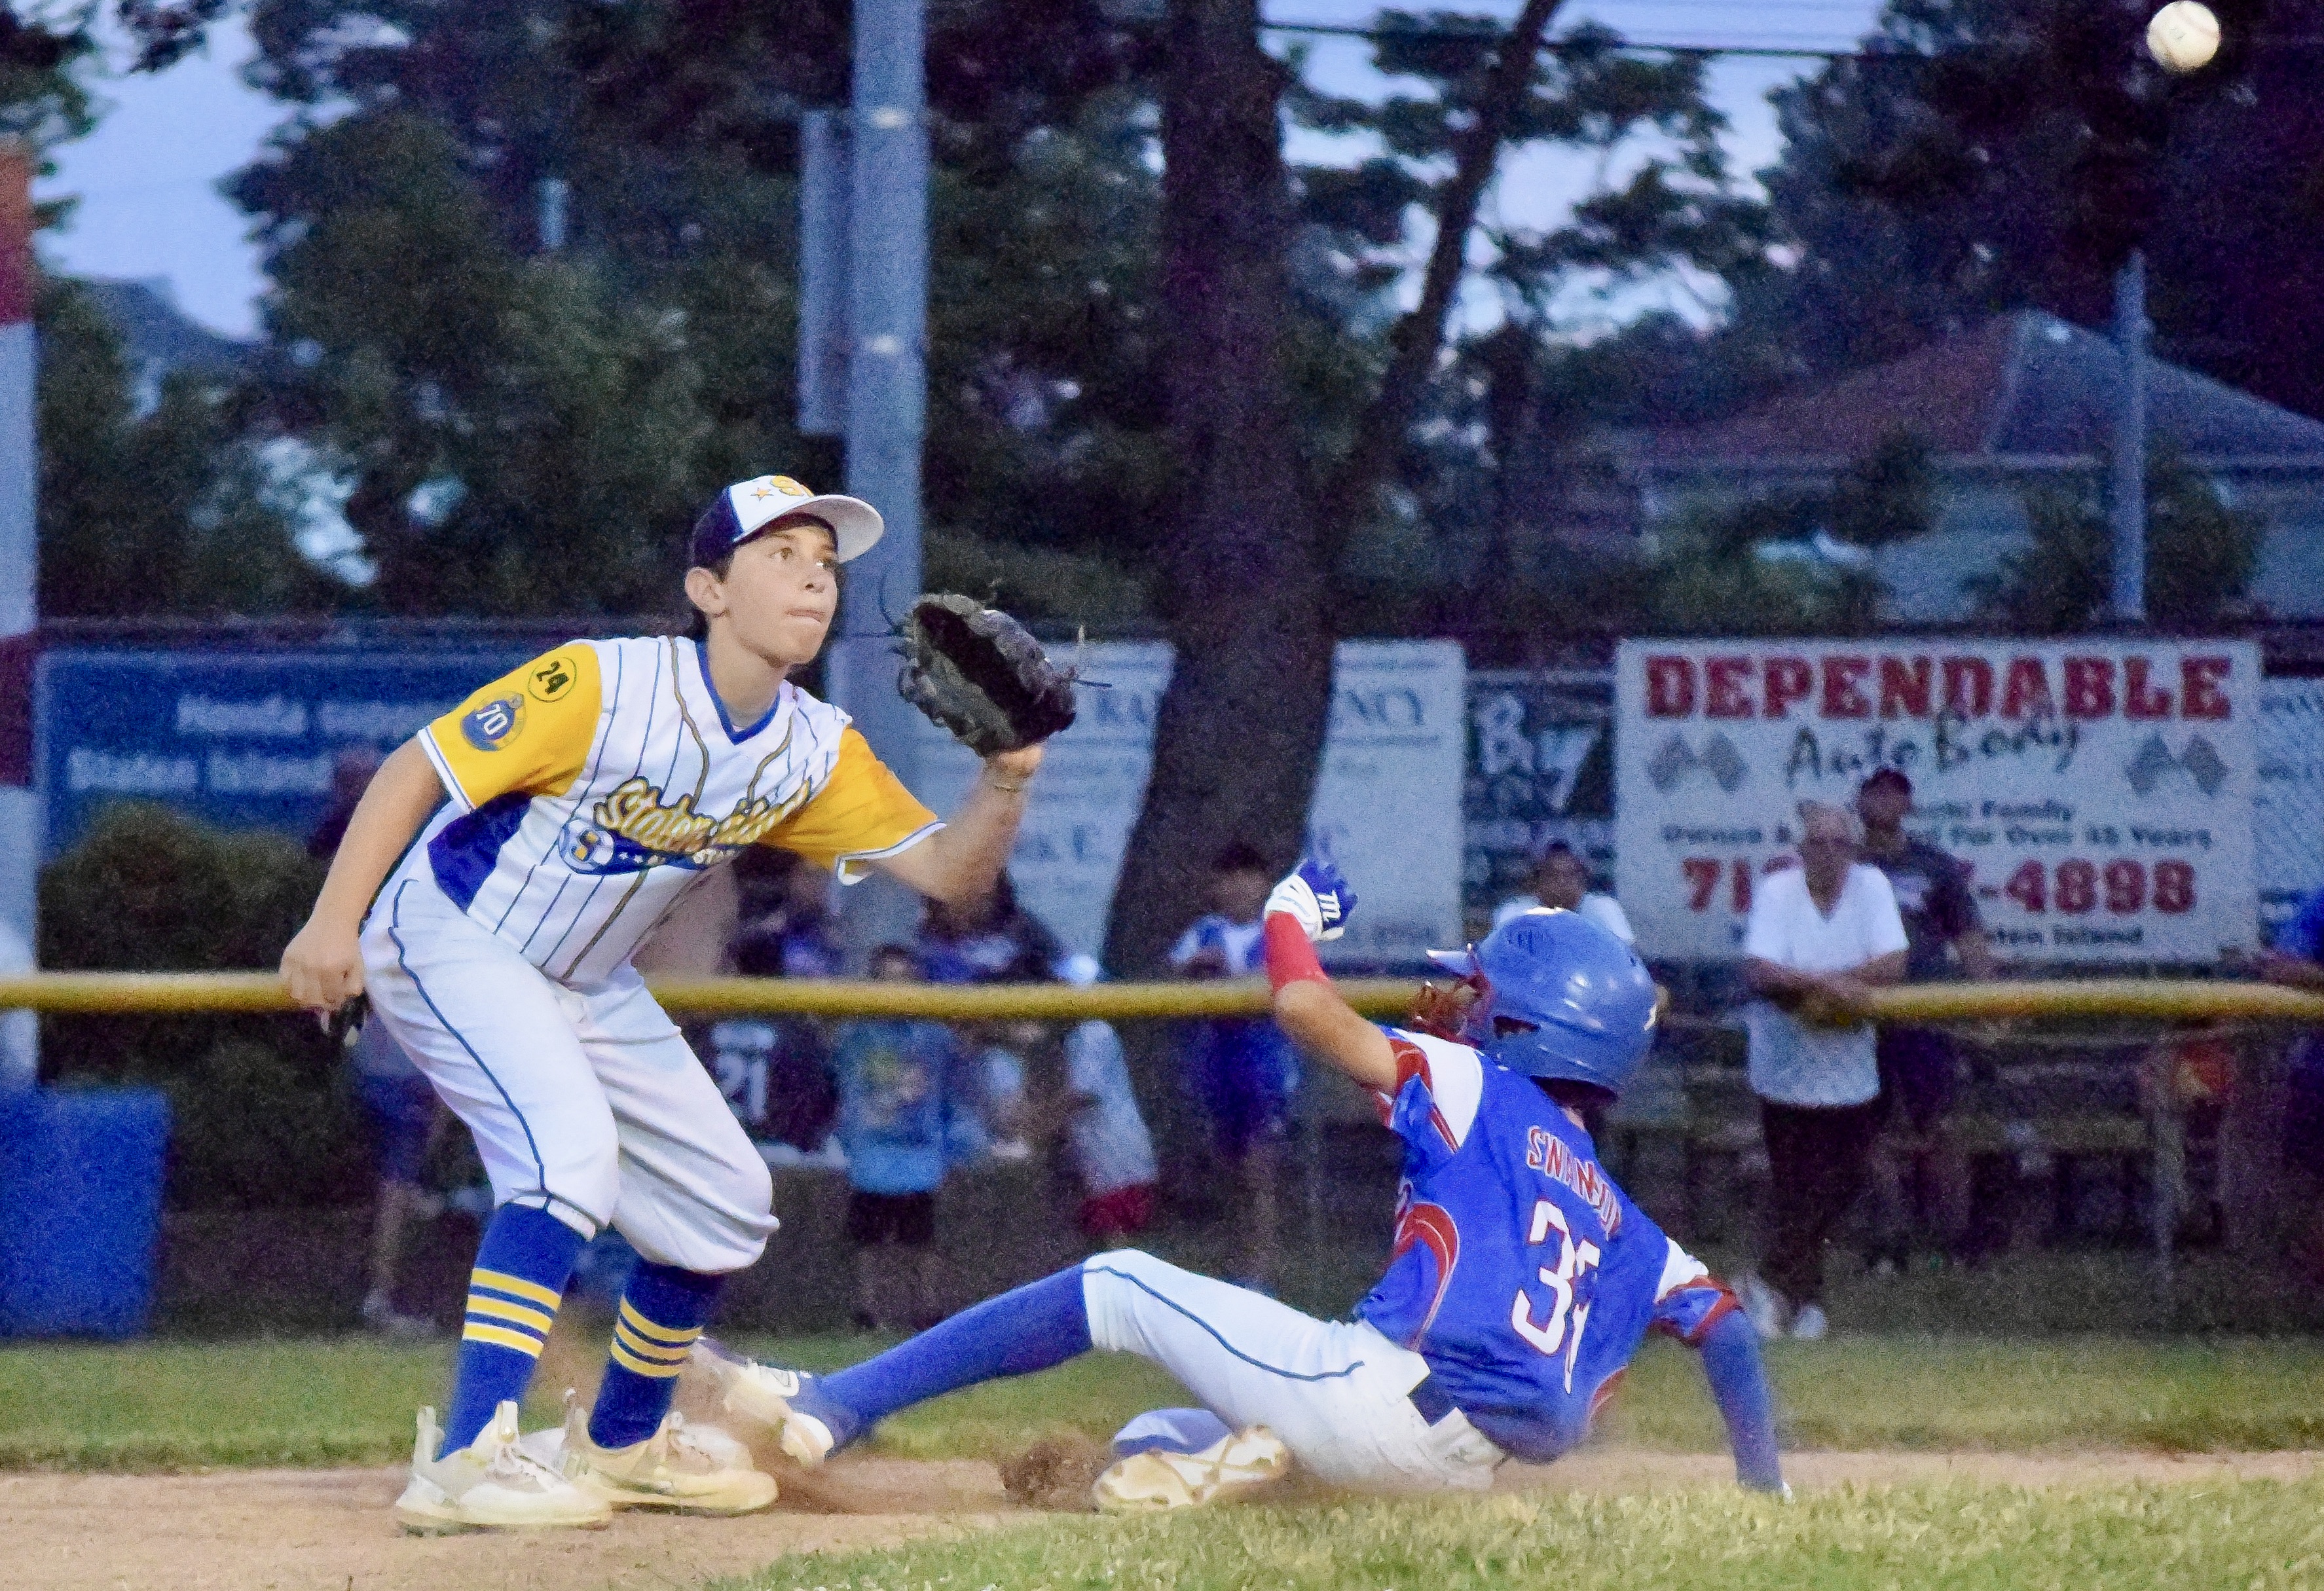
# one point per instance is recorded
(20, 804)
(2128, 498)
(886, 297)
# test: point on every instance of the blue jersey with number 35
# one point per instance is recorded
(1522, 1274)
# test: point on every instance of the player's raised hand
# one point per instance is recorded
(322, 967)
(1317, 896)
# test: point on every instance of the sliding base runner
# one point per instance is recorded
(1522, 1283)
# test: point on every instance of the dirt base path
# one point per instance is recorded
(331, 1530)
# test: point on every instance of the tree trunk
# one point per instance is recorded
(1239, 733)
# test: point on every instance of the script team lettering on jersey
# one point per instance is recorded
(592, 787)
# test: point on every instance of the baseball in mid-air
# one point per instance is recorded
(2183, 36)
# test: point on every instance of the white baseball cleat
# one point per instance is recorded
(684, 1468)
(492, 1483)
(1159, 1479)
(809, 1425)
(1811, 1324)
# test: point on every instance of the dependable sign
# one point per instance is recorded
(2100, 792)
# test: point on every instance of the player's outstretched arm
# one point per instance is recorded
(322, 967)
(1729, 1348)
(959, 864)
(1310, 906)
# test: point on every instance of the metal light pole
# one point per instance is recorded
(886, 296)
(20, 805)
(2128, 497)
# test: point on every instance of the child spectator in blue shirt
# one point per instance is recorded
(898, 1079)
(1242, 1071)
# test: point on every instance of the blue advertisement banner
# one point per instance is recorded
(244, 739)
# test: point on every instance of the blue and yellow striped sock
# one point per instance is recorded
(663, 1311)
(521, 1268)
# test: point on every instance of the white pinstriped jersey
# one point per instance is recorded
(592, 787)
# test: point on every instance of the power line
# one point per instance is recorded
(1619, 45)
(1559, 46)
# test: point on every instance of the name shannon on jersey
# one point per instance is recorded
(632, 828)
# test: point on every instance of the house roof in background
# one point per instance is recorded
(157, 338)
(2018, 385)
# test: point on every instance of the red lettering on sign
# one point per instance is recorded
(1904, 687)
(1969, 688)
(2089, 687)
(2200, 696)
(1789, 680)
(2025, 690)
(1729, 696)
(1841, 696)
(1670, 687)
(2140, 699)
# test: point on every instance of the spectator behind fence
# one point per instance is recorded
(1819, 935)
(2297, 960)
(774, 1071)
(898, 1081)
(1112, 1151)
(1920, 1067)
(786, 928)
(1242, 1071)
(1561, 879)
(997, 941)
(398, 1104)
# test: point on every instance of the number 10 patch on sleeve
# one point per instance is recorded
(490, 727)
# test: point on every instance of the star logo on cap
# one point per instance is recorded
(763, 490)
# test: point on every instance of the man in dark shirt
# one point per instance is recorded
(1918, 1068)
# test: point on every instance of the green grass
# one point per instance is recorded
(350, 1400)
(2252, 1536)
(1934, 1393)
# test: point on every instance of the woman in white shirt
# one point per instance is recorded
(1561, 878)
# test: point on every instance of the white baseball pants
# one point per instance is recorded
(589, 1105)
(1336, 1394)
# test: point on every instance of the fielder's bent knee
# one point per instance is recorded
(582, 1172)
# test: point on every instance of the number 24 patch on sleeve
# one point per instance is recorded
(552, 679)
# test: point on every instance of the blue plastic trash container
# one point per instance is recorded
(80, 1209)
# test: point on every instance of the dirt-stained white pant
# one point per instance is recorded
(1335, 1392)
(585, 1103)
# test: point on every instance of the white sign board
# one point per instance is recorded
(2288, 802)
(1389, 801)
(2099, 791)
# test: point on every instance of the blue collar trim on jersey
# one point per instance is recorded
(701, 661)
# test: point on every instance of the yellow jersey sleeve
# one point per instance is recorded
(862, 813)
(527, 731)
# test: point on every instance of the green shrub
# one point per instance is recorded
(259, 1115)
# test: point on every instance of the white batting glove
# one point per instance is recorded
(1316, 898)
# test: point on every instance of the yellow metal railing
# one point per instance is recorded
(192, 993)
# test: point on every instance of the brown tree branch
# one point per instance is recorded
(1380, 432)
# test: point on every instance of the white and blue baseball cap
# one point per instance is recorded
(748, 507)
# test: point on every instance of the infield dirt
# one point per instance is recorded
(331, 1529)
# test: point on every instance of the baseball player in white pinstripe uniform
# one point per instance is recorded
(580, 797)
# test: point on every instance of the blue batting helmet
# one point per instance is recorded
(1561, 998)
